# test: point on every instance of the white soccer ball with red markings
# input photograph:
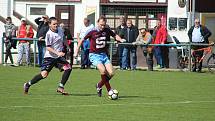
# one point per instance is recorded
(113, 94)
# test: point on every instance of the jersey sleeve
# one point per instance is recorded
(48, 40)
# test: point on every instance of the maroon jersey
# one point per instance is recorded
(98, 40)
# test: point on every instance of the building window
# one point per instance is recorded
(37, 11)
(142, 17)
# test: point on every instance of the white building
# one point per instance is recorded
(70, 12)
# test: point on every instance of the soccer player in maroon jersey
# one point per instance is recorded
(98, 52)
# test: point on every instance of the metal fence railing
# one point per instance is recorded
(188, 45)
(112, 43)
(34, 40)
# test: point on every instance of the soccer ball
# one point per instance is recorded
(113, 94)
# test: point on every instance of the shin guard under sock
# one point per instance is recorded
(35, 79)
(106, 80)
(65, 76)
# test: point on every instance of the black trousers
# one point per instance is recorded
(8, 52)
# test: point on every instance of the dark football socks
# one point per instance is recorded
(100, 84)
(105, 80)
(35, 79)
(65, 77)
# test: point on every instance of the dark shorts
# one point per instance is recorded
(61, 63)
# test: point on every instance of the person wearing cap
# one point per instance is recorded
(144, 39)
(24, 31)
(42, 29)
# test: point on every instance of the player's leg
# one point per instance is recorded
(109, 74)
(67, 71)
(99, 85)
(96, 60)
(34, 80)
(46, 67)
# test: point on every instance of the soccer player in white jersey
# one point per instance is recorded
(53, 57)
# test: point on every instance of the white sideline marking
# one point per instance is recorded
(98, 105)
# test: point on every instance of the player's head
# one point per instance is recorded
(53, 23)
(86, 22)
(129, 23)
(101, 22)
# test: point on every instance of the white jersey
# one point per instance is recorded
(54, 40)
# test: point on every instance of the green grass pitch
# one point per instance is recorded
(144, 96)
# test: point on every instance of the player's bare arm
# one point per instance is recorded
(118, 38)
(60, 54)
(78, 48)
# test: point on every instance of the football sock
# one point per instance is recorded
(65, 76)
(107, 85)
(100, 84)
(35, 79)
(108, 78)
(105, 79)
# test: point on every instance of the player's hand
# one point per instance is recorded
(123, 40)
(60, 54)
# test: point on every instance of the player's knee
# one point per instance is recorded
(68, 70)
(44, 74)
(67, 67)
(102, 72)
(111, 74)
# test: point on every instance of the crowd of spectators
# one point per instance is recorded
(127, 53)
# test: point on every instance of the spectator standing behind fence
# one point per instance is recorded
(10, 31)
(130, 34)
(146, 38)
(43, 28)
(85, 62)
(24, 31)
(69, 48)
(119, 31)
(161, 52)
(198, 34)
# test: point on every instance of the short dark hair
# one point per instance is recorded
(52, 19)
(102, 17)
(88, 20)
(8, 18)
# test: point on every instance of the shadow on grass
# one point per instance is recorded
(137, 96)
(131, 96)
(78, 94)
